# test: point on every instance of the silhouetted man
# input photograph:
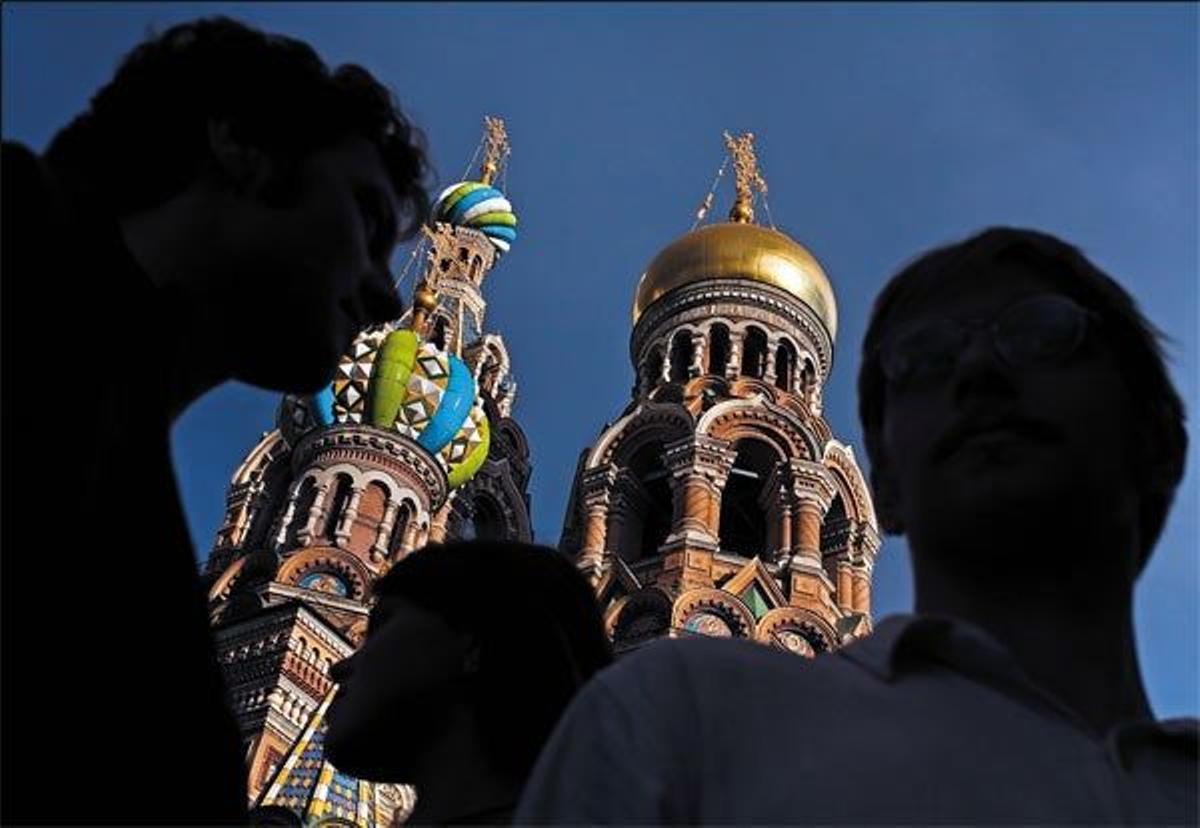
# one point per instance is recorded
(224, 209)
(493, 639)
(1025, 436)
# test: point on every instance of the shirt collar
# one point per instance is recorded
(902, 643)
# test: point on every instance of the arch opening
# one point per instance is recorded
(718, 349)
(785, 365)
(743, 528)
(754, 353)
(337, 505)
(683, 350)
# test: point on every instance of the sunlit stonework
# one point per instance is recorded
(718, 503)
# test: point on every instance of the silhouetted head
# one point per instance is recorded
(511, 630)
(1007, 379)
(303, 179)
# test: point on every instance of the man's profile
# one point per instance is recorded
(1026, 438)
(466, 715)
(225, 208)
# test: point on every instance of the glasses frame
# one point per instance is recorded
(1087, 320)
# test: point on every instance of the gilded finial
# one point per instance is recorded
(748, 178)
(496, 147)
(424, 301)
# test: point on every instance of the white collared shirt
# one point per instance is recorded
(927, 720)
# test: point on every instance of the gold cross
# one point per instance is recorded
(496, 147)
(748, 178)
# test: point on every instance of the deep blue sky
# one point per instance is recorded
(883, 130)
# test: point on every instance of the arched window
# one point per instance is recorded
(785, 364)
(403, 516)
(654, 368)
(337, 505)
(835, 527)
(488, 521)
(647, 520)
(754, 353)
(476, 264)
(682, 352)
(439, 333)
(808, 379)
(743, 529)
(718, 349)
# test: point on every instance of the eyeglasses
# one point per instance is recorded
(1041, 330)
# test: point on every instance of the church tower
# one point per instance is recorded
(412, 443)
(720, 503)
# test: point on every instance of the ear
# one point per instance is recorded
(244, 168)
(887, 499)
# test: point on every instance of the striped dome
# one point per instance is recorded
(393, 380)
(481, 207)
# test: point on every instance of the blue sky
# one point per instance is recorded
(883, 130)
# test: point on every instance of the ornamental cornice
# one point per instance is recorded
(781, 421)
(812, 484)
(731, 298)
(365, 444)
(700, 455)
(660, 416)
(596, 485)
(629, 495)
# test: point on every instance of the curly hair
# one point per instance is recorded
(144, 136)
(1159, 409)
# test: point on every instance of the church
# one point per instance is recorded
(718, 502)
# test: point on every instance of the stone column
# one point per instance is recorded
(696, 465)
(349, 516)
(697, 367)
(286, 520)
(409, 542)
(596, 488)
(440, 523)
(379, 548)
(734, 366)
(865, 545)
(769, 368)
(845, 585)
(813, 491)
(317, 514)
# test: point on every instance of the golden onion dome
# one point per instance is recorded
(738, 250)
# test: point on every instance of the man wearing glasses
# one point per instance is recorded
(1025, 437)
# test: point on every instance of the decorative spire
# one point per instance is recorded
(496, 148)
(749, 179)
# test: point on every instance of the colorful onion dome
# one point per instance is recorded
(393, 380)
(481, 207)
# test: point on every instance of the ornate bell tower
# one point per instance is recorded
(413, 442)
(719, 502)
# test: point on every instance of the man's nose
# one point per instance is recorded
(979, 369)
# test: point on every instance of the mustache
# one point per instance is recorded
(966, 428)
